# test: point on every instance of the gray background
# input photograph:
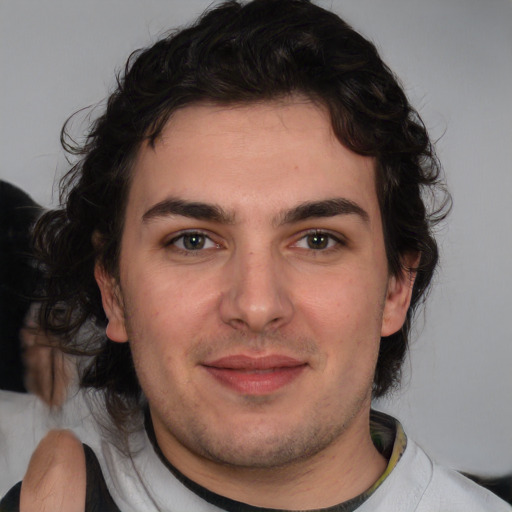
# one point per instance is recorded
(455, 60)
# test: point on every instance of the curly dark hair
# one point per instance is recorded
(237, 53)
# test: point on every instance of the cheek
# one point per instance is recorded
(168, 308)
(159, 331)
(344, 317)
(346, 302)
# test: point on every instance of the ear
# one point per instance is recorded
(112, 304)
(398, 296)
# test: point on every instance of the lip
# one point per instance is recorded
(255, 375)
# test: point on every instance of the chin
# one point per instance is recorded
(266, 448)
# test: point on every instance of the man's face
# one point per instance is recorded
(254, 286)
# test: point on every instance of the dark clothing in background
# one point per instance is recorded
(18, 279)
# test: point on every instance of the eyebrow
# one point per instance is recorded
(324, 208)
(211, 212)
(192, 209)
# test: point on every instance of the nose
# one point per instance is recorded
(256, 298)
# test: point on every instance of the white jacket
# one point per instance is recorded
(141, 483)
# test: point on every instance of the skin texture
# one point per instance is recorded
(57, 465)
(254, 278)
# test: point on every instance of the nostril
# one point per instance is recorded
(238, 323)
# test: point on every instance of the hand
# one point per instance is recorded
(56, 477)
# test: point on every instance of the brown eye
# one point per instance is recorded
(318, 241)
(193, 241)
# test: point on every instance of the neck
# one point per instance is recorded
(345, 469)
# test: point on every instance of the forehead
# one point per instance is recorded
(254, 157)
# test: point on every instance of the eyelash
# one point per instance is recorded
(190, 252)
(339, 242)
(329, 237)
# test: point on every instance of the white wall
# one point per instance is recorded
(455, 59)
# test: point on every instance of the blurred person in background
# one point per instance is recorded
(30, 360)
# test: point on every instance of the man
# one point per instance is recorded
(246, 225)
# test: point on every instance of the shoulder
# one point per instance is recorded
(417, 483)
(449, 488)
(57, 465)
(24, 421)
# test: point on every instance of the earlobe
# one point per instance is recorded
(398, 297)
(112, 304)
